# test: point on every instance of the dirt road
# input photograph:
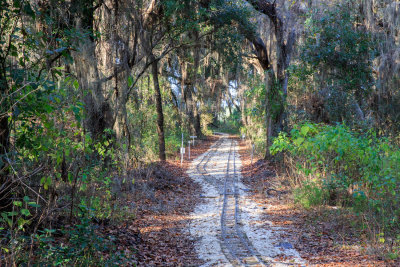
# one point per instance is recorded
(227, 224)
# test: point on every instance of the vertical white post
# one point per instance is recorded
(189, 150)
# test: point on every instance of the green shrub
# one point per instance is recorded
(310, 194)
(359, 170)
(172, 144)
(79, 245)
(85, 247)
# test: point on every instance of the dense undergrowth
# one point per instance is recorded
(66, 184)
(334, 165)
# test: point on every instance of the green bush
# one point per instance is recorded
(172, 144)
(85, 247)
(359, 170)
(310, 194)
(79, 245)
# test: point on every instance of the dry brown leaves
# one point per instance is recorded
(164, 198)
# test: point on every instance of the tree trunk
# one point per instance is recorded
(160, 115)
(269, 83)
(197, 125)
(190, 106)
(99, 113)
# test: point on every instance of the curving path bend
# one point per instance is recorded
(227, 226)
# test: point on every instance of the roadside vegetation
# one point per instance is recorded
(335, 166)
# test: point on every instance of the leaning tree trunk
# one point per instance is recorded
(160, 115)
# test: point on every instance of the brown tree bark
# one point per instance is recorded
(160, 114)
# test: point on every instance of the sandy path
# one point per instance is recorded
(205, 226)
